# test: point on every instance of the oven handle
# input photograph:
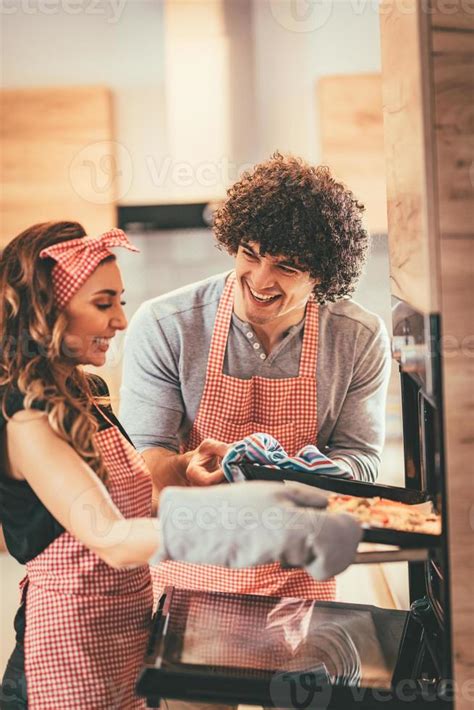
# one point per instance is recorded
(377, 556)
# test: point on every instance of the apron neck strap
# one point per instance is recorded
(221, 327)
(100, 410)
(309, 347)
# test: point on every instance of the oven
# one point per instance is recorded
(293, 653)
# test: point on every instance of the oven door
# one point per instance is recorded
(279, 652)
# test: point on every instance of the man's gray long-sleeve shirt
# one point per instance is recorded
(165, 363)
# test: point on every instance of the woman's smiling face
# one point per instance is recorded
(94, 314)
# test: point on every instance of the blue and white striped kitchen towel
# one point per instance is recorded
(267, 451)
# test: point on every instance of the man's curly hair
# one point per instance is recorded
(295, 210)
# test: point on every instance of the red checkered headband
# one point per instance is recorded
(76, 259)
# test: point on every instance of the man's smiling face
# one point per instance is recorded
(270, 288)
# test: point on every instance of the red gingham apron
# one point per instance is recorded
(86, 623)
(230, 410)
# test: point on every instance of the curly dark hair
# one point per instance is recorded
(295, 210)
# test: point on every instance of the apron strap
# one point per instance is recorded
(309, 347)
(101, 412)
(215, 362)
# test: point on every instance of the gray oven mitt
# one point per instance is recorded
(255, 523)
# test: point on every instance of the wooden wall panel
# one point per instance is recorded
(351, 125)
(457, 256)
(410, 181)
(453, 81)
(452, 14)
(429, 124)
(453, 74)
(57, 159)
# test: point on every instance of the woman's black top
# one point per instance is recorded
(28, 526)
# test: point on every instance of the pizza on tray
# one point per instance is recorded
(382, 513)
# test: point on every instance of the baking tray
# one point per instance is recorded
(383, 536)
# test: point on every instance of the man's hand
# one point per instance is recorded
(204, 467)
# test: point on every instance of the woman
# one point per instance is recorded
(76, 496)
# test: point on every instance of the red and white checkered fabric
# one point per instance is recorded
(87, 624)
(232, 409)
(76, 259)
(254, 635)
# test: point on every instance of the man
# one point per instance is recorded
(277, 346)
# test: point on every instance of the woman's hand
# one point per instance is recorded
(204, 467)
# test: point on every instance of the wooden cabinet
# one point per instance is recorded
(58, 158)
(453, 119)
(428, 94)
(352, 143)
(412, 225)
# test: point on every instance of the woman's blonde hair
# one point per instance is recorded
(31, 347)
